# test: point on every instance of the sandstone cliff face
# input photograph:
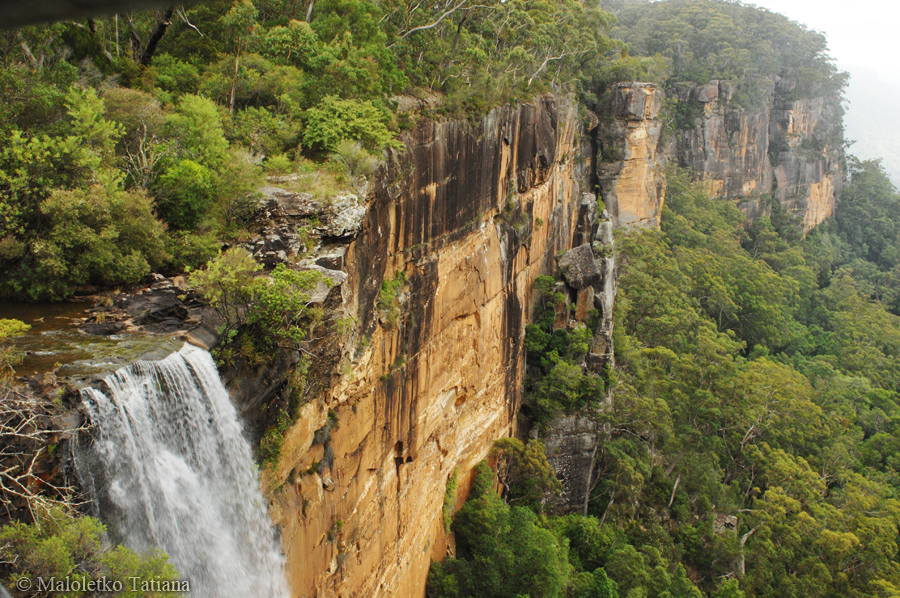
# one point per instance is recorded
(428, 377)
(781, 149)
(419, 376)
(630, 168)
(807, 170)
(790, 148)
(727, 148)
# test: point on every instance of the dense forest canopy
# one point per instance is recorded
(752, 48)
(134, 143)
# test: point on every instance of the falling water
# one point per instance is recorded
(177, 473)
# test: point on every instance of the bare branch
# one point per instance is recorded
(431, 26)
(24, 437)
(182, 14)
(550, 59)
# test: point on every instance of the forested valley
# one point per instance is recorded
(751, 423)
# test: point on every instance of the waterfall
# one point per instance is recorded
(176, 472)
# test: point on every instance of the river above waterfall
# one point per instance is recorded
(169, 467)
(54, 341)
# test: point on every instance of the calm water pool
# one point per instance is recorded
(54, 339)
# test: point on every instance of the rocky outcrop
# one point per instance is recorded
(806, 158)
(789, 148)
(572, 442)
(430, 372)
(167, 306)
(728, 148)
(631, 171)
(579, 267)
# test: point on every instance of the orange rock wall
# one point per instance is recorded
(631, 169)
(471, 214)
(780, 149)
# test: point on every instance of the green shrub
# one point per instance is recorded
(95, 236)
(63, 547)
(450, 499)
(272, 442)
(261, 132)
(191, 250)
(171, 74)
(557, 383)
(526, 474)
(355, 159)
(334, 120)
(272, 310)
(228, 283)
(503, 552)
(9, 356)
(196, 124)
(387, 298)
(185, 194)
(281, 304)
(278, 164)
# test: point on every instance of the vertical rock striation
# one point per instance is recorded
(631, 170)
(468, 217)
(789, 148)
(423, 366)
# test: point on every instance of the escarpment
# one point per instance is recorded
(421, 366)
(429, 372)
(791, 148)
(630, 166)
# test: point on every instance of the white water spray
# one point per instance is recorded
(180, 475)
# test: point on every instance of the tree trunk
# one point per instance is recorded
(237, 59)
(587, 488)
(674, 488)
(160, 30)
(741, 562)
(453, 52)
(608, 507)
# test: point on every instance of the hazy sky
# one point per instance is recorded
(860, 32)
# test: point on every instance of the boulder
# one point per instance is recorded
(345, 217)
(342, 216)
(103, 328)
(708, 93)
(579, 268)
(322, 288)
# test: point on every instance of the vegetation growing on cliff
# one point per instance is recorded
(118, 158)
(749, 48)
(258, 313)
(556, 382)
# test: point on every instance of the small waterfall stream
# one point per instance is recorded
(176, 472)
